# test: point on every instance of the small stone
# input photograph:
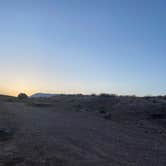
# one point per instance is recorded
(107, 116)
(5, 134)
(102, 111)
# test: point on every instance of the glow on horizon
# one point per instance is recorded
(29, 89)
(82, 46)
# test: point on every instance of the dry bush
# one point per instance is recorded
(22, 96)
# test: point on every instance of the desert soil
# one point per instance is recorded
(53, 136)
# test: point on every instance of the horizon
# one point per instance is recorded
(83, 46)
(84, 94)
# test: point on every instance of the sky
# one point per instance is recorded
(83, 46)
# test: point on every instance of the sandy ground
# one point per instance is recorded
(59, 137)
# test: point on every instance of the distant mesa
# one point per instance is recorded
(36, 95)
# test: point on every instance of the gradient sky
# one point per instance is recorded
(83, 46)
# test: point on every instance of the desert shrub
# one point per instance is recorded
(42, 105)
(11, 100)
(106, 95)
(79, 95)
(102, 110)
(157, 116)
(22, 96)
(147, 97)
(108, 98)
(107, 116)
(5, 134)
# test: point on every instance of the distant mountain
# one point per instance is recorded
(42, 95)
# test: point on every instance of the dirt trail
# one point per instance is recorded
(48, 137)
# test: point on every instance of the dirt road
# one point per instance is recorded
(49, 137)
